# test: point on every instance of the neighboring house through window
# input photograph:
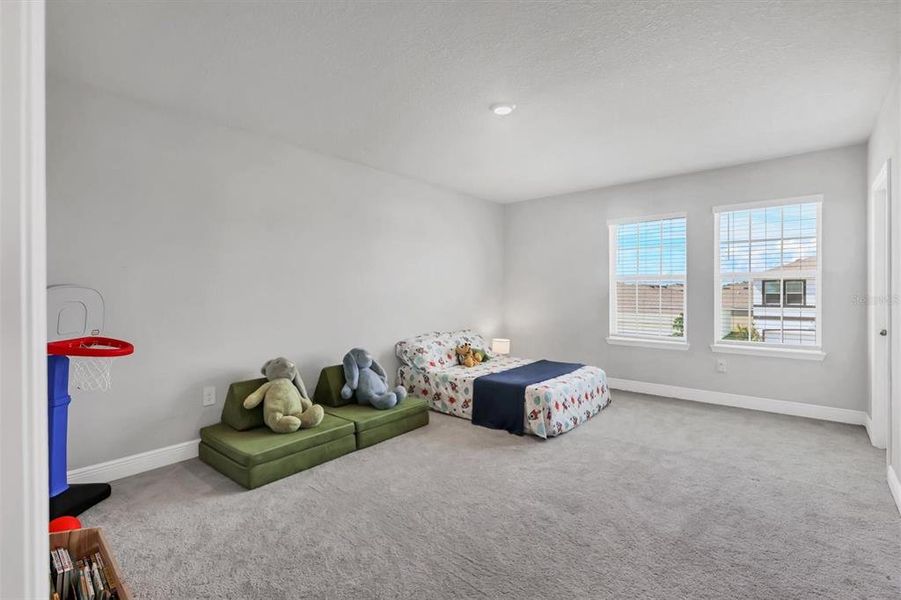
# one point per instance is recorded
(768, 274)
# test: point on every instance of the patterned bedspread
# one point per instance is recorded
(552, 407)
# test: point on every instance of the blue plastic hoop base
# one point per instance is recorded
(58, 420)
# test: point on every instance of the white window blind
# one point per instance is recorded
(768, 274)
(648, 284)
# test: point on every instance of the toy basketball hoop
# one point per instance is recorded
(75, 348)
(90, 359)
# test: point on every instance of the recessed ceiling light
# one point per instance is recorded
(503, 109)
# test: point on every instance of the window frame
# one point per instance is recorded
(621, 339)
(805, 352)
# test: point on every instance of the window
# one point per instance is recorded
(772, 292)
(647, 281)
(768, 274)
(795, 292)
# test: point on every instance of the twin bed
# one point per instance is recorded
(550, 407)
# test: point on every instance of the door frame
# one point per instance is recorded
(23, 298)
(879, 306)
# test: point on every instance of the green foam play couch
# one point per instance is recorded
(244, 449)
(371, 425)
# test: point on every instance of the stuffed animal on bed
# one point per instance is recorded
(366, 379)
(469, 356)
(286, 405)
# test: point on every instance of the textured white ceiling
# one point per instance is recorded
(607, 92)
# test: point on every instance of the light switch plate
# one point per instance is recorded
(209, 395)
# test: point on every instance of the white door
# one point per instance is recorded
(879, 307)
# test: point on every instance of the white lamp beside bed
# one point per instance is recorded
(500, 346)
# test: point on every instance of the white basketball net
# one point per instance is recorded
(90, 374)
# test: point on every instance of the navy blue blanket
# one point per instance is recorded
(498, 400)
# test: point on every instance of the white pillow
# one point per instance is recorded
(433, 350)
(437, 349)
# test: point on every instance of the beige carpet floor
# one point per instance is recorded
(653, 498)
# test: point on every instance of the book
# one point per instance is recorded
(82, 577)
(76, 583)
(89, 580)
(108, 579)
(100, 591)
(88, 592)
(61, 570)
(98, 561)
(83, 583)
(68, 571)
(56, 570)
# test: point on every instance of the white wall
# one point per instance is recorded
(556, 278)
(885, 144)
(216, 249)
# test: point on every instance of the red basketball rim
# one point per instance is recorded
(90, 346)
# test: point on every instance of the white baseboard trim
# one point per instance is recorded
(877, 438)
(134, 464)
(783, 407)
(895, 486)
(161, 457)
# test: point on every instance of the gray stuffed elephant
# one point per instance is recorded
(286, 405)
(367, 380)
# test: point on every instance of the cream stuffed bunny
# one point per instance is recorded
(286, 405)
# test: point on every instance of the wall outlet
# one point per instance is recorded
(209, 395)
(721, 365)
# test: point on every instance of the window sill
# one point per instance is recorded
(796, 353)
(647, 343)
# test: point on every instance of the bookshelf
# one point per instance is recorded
(85, 542)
